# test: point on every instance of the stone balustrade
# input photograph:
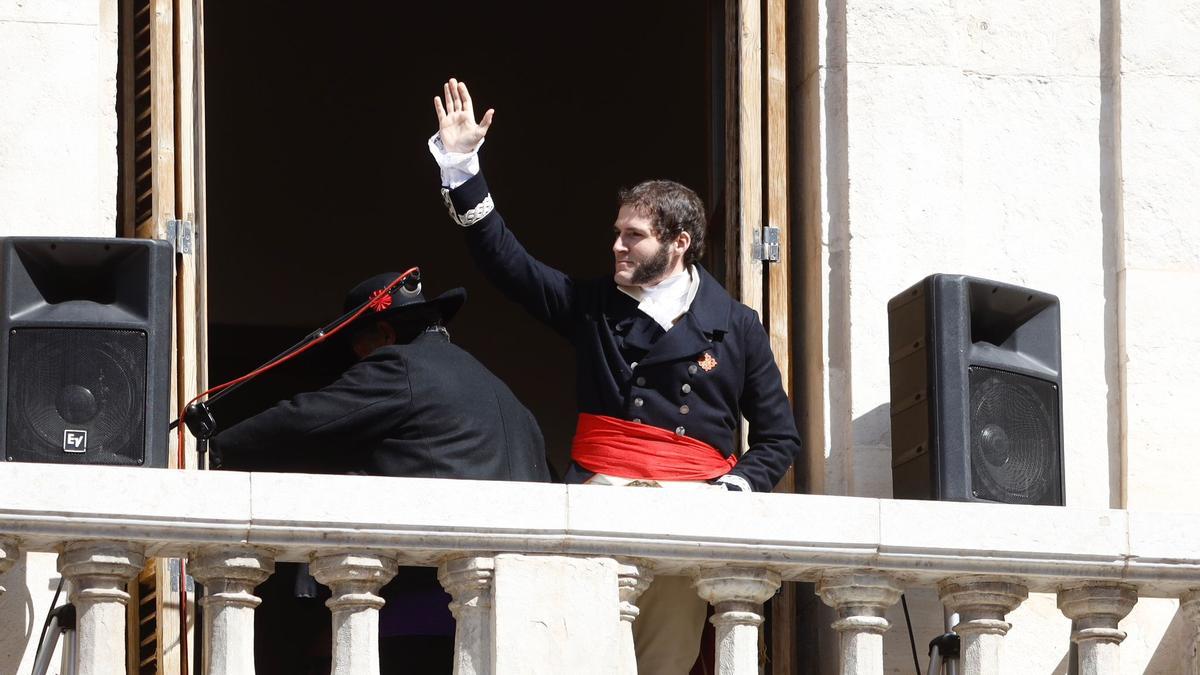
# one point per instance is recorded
(545, 578)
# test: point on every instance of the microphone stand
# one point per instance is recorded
(199, 418)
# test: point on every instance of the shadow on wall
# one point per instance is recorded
(1176, 651)
(868, 457)
(15, 601)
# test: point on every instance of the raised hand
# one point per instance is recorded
(456, 119)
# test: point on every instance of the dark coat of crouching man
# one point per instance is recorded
(413, 405)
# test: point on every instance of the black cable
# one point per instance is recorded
(46, 624)
(911, 641)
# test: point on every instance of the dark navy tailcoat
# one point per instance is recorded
(713, 366)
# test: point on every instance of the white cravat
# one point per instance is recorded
(667, 300)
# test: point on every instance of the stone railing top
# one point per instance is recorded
(799, 536)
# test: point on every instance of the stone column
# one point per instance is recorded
(354, 580)
(98, 572)
(860, 598)
(469, 583)
(8, 557)
(981, 603)
(737, 594)
(1095, 608)
(1189, 605)
(633, 578)
(229, 575)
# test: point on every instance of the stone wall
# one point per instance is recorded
(1054, 145)
(58, 176)
(58, 149)
(1051, 145)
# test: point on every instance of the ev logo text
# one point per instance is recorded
(74, 440)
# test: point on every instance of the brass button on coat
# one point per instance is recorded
(641, 381)
(679, 431)
(692, 369)
(638, 401)
(683, 409)
(686, 388)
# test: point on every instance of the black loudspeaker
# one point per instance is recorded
(976, 383)
(85, 343)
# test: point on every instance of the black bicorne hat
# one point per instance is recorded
(402, 300)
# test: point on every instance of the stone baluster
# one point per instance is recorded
(1095, 608)
(229, 575)
(861, 599)
(354, 580)
(1189, 605)
(98, 572)
(737, 594)
(469, 583)
(8, 557)
(981, 603)
(633, 578)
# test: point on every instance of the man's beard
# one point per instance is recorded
(654, 268)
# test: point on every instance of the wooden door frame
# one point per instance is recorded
(162, 183)
(756, 192)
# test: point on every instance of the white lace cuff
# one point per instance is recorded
(732, 482)
(472, 216)
(457, 167)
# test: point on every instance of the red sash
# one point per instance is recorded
(630, 450)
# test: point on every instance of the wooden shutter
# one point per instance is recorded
(757, 188)
(161, 187)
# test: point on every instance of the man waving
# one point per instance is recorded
(666, 361)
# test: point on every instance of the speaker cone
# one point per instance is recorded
(1014, 442)
(77, 395)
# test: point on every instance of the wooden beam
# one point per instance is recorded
(732, 234)
(809, 253)
(162, 120)
(128, 187)
(200, 240)
(185, 206)
(167, 630)
(778, 185)
(779, 310)
(750, 204)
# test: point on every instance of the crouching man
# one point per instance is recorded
(413, 405)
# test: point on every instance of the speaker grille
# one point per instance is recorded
(1014, 438)
(77, 395)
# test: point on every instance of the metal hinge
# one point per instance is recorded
(173, 570)
(765, 247)
(181, 233)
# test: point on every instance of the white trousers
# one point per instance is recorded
(670, 623)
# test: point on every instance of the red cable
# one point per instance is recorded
(386, 292)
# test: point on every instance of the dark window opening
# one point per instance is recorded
(318, 174)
